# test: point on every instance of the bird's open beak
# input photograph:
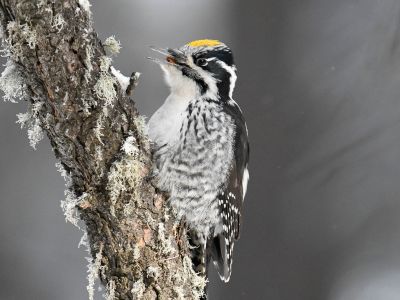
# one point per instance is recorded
(172, 57)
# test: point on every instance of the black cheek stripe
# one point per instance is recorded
(200, 82)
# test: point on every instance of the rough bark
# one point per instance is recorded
(97, 135)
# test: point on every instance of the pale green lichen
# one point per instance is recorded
(47, 121)
(136, 252)
(138, 289)
(126, 176)
(36, 107)
(105, 85)
(23, 119)
(29, 35)
(86, 107)
(63, 173)
(188, 284)
(179, 293)
(98, 155)
(140, 124)
(130, 146)
(35, 133)
(69, 207)
(18, 35)
(88, 61)
(41, 3)
(110, 295)
(84, 242)
(31, 120)
(167, 213)
(165, 242)
(98, 129)
(14, 41)
(12, 83)
(196, 281)
(112, 46)
(93, 272)
(152, 272)
(129, 208)
(105, 89)
(58, 22)
(105, 63)
(149, 218)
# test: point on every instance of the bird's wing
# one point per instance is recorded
(231, 198)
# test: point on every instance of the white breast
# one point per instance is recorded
(164, 125)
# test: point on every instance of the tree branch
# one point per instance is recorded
(59, 65)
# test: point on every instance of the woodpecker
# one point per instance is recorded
(201, 150)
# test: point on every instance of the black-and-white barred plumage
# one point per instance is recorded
(201, 149)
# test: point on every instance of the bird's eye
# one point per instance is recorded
(201, 62)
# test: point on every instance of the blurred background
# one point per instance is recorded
(319, 84)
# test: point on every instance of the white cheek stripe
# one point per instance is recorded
(232, 79)
(245, 180)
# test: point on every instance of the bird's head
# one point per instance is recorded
(201, 67)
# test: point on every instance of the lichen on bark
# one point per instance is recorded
(138, 249)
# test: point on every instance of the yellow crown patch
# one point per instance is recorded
(204, 43)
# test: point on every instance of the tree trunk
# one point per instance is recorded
(58, 64)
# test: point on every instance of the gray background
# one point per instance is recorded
(319, 86)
